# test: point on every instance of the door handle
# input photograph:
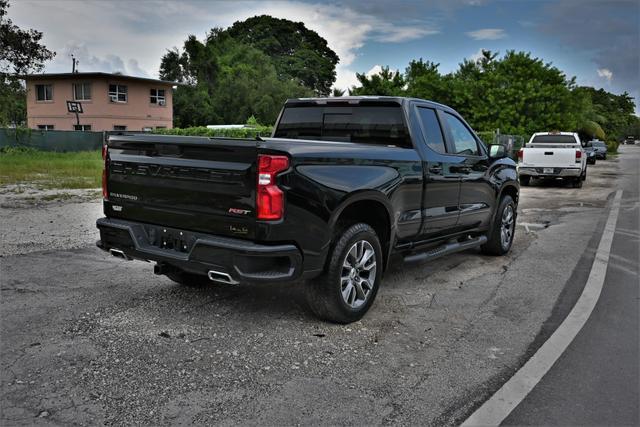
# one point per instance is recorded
(461, 169)
(436, 169)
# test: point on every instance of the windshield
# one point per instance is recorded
(371, 124)
(553, 139)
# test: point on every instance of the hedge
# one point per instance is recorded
(486, 136)
(248, 132)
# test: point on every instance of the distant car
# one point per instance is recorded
(551, 155)
(600, 148)
(590, 152)
(630, 140)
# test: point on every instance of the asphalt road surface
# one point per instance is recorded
(87, 338)
(596, 380)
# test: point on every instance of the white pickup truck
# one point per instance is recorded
(553, 155)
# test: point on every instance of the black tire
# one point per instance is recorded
(584, 175)
(577, 182)
(325, 293)
(525, 181)
(188, 279)
(495, 245)
(605, 157)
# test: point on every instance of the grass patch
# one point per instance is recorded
(47, 169)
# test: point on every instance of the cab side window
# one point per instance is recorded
(463, 141)
(431, 129)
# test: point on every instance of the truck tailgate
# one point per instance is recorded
(556, 157)
(200, 184)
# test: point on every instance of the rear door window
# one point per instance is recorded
(431, 129)
(370, 124)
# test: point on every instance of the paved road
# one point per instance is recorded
(596, 380)
(91, 339)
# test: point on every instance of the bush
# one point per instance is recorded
(248, 132)
(486, 136)
(612, 146)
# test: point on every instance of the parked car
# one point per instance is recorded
(553, 155)
(630, 140)
(590, 152)
(600, 148)
(345, 187)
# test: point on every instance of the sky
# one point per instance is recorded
(597, 41)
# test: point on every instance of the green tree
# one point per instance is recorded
(613, 112)
(225, 81)
(384, 83)
(516, 93)
(297, 52)
(20, 53)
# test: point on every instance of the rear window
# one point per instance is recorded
(554, 139)
(379, 124)
(598, 144)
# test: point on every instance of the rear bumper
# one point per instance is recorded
(557, 172)
(243, 261)
(601, 155)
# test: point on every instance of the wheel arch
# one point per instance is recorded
(372, 208)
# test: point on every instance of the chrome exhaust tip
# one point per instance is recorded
(218, 276)
(119, 254)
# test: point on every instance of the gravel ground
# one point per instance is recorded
(87, 338)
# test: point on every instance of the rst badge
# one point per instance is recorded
(237, 211)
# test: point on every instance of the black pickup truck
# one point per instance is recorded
(344, 188)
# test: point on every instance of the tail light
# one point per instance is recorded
(270, 199)
(520, 155)
(578, 156)
(105, 171)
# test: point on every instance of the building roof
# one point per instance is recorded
(86, 75)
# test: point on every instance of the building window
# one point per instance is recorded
(83, 128)
(161, 127)
(117, 93)
(157, 96)
(82, 91)
(44, 92)
(45, 127)
(119, 127)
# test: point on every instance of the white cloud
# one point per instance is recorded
(135, 39)
(348, 79)
(476, 56)
(487, 34)
(605, 73)
(87, 62)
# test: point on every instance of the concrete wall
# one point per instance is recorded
(99, 112)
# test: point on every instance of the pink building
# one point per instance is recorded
(109, 102)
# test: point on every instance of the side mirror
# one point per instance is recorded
(497, 151)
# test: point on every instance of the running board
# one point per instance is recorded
(447, 249)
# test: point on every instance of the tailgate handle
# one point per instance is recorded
(548, 153)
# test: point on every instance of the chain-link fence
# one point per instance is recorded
(512, 142)
(51, 140)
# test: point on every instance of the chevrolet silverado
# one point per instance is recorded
(344, 188)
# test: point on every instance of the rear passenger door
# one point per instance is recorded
(441, 184)
(477, 195)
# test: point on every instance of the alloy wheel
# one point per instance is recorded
(358, 274)
(507, 226)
